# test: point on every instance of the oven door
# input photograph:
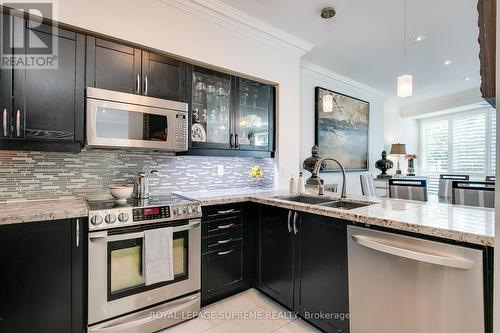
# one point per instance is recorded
(116, 280)
(127, 125)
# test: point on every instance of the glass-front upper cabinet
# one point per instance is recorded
(210, 109)
(254, 116)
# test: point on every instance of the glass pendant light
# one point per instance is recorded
(327, 99)
(405, 81)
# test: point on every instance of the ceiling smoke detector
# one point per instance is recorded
(328, 13)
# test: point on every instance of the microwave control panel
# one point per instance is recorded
(181, 131)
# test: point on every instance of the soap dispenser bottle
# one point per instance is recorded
(293, 185)
(300, 183)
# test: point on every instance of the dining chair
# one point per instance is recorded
(408, 189)
(490, 178)
(367, 185)
(445, 182)
(474, 193)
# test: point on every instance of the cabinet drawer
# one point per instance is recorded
(224, 211)
(222, 269)
(222, 240)
(215, 227)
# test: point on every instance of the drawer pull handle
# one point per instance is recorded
(225, 241)
(225, 252)
(225, 226)
(18, 123)
(225, 211)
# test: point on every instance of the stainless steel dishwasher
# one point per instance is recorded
(403, 284)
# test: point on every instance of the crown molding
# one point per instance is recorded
(328, 75)
(226, 16)
(456, 102)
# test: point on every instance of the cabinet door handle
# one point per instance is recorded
(4, 122)
(18, 123)
(226, 226)
(289, 224)
(77, 232)
(236, 144)
(146, 85)
(225, 211)
(138, 84)
(225, 241)
(295, 230)
(225, 252)
(231, 140)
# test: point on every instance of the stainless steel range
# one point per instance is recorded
(119, 300)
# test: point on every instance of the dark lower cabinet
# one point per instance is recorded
(41, 284)
(228, 251)
(321, 285)
(276, 255)
(303, 265)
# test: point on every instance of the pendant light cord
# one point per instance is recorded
(405, 64)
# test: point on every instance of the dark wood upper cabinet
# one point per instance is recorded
(163, 77)
(5, 92)
(487, 41)
(50, 102)
(124, 68)
(43, 108)
(229, 116)
(113, 66)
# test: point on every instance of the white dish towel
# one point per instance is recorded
(158, 256)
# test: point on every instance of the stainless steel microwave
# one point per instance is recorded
(120, 120)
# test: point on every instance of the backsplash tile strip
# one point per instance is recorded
(46, 175)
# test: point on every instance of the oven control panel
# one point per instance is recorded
(151, 213)
(128, 216)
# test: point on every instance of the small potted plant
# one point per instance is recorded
(411, 163)
(257, 174)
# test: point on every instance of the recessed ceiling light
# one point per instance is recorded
(447, 62)
(419, 38)
(466, 78)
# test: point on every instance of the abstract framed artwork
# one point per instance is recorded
(343, 132)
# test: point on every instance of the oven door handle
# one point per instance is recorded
(176, 307)
(113, 238)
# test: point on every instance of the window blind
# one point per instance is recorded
(462, 143)
(468, 144)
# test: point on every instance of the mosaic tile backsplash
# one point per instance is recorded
(47, 175)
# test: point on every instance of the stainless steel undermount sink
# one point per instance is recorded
(325, 202)
(346, 205)
(304, 199)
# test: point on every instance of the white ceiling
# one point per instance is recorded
(366, 40)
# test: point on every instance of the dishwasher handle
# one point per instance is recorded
(381, 245)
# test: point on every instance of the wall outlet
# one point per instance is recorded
(220, 170)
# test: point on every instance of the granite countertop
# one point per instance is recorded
(42, 210)
(461, 223)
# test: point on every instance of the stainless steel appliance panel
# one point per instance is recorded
(102, 308)
(404, 284)
(120, 120)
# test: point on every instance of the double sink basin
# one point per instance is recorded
(324, 202)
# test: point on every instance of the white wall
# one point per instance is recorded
(312, 76)
(194, 36)
(402, 130)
